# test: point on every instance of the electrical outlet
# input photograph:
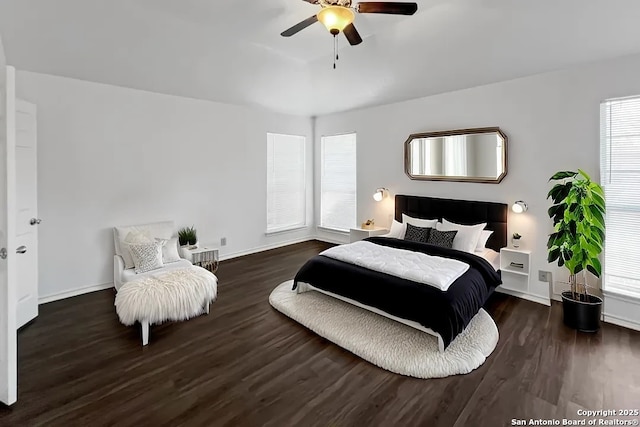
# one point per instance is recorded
(223, 241)
(544, 276)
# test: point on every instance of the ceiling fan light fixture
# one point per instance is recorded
(336, 18)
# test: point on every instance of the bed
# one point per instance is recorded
(442, 312)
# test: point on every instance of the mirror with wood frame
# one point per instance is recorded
(464, 155)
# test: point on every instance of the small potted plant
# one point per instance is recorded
(515, 240)
(187, 236)
(578, 217)
(368, 225)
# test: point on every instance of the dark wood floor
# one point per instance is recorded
(245, 364)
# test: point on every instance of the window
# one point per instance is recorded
(620, 175)
(286, 182)
(338, 182)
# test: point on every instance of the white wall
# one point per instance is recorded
(114, 156)
(552, 121)
(111, 155)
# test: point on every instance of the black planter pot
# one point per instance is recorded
(582, 315)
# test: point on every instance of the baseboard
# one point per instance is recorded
(528, 297)
(73, 293)
(265, 248)
(625, 323)
(614, 319)
(328, 240)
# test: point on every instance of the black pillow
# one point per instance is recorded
(417, 234)
(441, 238)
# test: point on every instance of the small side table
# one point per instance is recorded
(515, 265)
(356, 234)
(204, 256)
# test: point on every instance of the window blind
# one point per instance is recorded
(620, 176)
(286, 182)
(338, 182)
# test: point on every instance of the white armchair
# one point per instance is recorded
(123, 273)
(176, 291)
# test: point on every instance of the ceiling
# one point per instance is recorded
(231, 51)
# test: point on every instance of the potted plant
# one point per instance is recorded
(577, 241)
(515, 240)
(187, 236)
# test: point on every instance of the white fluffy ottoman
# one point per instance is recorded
(171, 296)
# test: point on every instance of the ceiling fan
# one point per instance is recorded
(338, 16)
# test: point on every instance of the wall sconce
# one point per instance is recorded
(379, 194)
(519, 207)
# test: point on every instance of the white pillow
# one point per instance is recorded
(482, 241)
(424, 223)
(161, 230)
(467, 236)
(398, 230)
(170, 250)
(146, 256)
(138, 236)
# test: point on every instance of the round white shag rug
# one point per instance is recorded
(384, 342)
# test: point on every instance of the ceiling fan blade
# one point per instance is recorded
(387, 7)
(352, 35)
(300, 26)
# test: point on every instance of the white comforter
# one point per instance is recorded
(422, 268)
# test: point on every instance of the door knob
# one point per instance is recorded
(21, 249)
(35, 221)
(3, 253)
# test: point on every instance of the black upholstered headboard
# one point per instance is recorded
(459, 211)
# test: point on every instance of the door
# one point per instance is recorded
(8, 334)
(26, 212)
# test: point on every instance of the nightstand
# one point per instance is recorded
(356, 234)
(515, 266)
(204, 256)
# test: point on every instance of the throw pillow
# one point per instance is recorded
(146, 256)
(442, 238)
(417, 234)
(170, 250)
(133, 237)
